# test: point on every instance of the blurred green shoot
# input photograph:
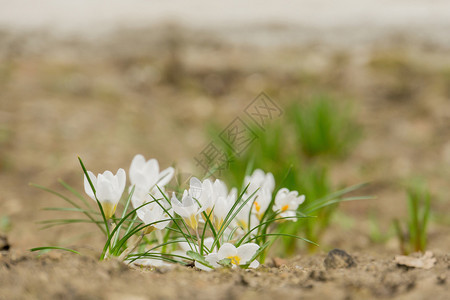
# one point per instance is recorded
(5, 224)
(323, 126)
(376, 234)
(419, 202)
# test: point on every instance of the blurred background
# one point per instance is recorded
(363, 89)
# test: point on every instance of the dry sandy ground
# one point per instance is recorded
(152, 91)
(65, 276)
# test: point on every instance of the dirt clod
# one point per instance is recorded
(4, 245)
(338, 259)
(441, 279)
(318, 275)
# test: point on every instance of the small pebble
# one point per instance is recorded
(338, 259)
(278, 262)
(4, 245)
(441, 279)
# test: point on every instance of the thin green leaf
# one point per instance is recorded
(53, 248)
(74, 192)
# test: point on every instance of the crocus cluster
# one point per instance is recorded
(219, 225)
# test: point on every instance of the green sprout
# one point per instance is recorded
(323, 126)
(419, 203)
(5, 224)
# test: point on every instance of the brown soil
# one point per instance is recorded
(66, 276)
(153, 92)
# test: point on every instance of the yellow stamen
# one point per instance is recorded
(235, 259)
(243, 224)
(192, 221)
(257, 206)
(285, 207)
(149, 229)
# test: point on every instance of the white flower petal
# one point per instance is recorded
(137, 165)
(208, 242)
(211, 259)
(108, 175)
(227, 250)
(254, 264)
(165, 176)
(202, 267)
(269, 182)
(151, 262)
(246, 252)
(87, 186)
(301, 199)
(181, 211)
(152, 165)
(104, 190)
(196, 187)
(121, 179)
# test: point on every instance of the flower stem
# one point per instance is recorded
(125, 253)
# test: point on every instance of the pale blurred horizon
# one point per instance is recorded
(285, 22)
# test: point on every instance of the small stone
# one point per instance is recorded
(4, 245)
(427, 261)
(338, 259)
(441, 279)
(278, 262)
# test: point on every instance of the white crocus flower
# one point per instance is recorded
(259, 181)
(223, 205)
(202, 192)
(139, 199)
(152, 213)
(188, 209)
(213, 197)
(109, 189)
(287, 202)
(238, 256)
(212, 259)
(207, 244)
(145, 175)
(207, 192)
(242, 218)
(261, 201)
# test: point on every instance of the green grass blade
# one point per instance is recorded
(231, 215)
(116, 237)
(284, 235)
(334, 195)
(68, 201)
(186, 236)
(53, 248)
(105, 222)
(330, 202)
(72, 209)
(74, 192)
